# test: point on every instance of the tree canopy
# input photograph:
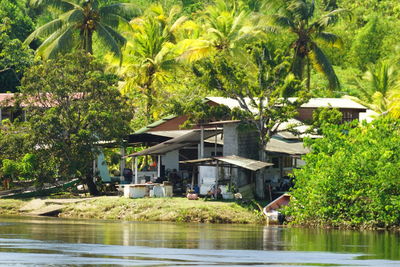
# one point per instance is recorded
(73, 105)
(350, 177)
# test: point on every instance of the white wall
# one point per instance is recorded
(171, 160)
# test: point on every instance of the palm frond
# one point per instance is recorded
(283, 21)
(73, 16)
(62, 43)
(125, 10)
(331, 18)
(330, 39)
(191, 50)
(61, 5)
(178, 23)
(108, 38)
(44, 30)
(322, 64)
(299, 9)
(114, 20)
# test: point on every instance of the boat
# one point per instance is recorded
(42, 191)
(271, 211)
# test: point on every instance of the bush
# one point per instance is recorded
(351, 177)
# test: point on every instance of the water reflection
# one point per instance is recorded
(81, 242)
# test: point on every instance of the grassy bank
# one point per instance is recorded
(162, 209)
(11, 206)
(150, 209)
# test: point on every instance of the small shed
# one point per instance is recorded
(229, 162)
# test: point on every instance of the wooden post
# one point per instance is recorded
(122, 162)
(136, 171)
(159, 166)
(202, 142)
(132, 168)
(215, 145)
(216, 181)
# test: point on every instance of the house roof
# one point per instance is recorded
(342, 103)
(5, 98)
(283, 146)
(191, 138)
(245, 163)
(155, 124)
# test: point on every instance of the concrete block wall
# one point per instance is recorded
(243, 143)
(240, 142)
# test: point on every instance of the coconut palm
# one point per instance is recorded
(151, 53)
(76, 26)
(379, 89)
(298, 17)
(227, 27)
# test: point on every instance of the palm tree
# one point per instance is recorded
(150, 55)
(379, 89)
(297, 16)
(78, 23)
(227, 27)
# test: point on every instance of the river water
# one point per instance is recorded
(41, 241)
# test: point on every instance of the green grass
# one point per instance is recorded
(163, 209)
(11, 206)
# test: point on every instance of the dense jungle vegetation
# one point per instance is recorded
(134, 61)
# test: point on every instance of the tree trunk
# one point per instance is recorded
(91, 185)
(260, 176)
(308, 73)
(88, 41)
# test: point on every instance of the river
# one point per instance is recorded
(43, 241)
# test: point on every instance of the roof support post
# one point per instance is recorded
(159, 166)
(133, 167)
(216, 180)
(136, 171)
(122, 162)
(202, 142)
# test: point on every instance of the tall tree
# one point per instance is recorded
(150, 56)
(379, 89)
(80, 106)
(227, 26)
(298, 17)
(365, 49)
(76, 26)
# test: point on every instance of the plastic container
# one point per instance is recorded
(158, 191)
(135, 191)
(167, 190)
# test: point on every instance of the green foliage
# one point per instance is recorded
(13, 14)
(300, 17)
(14, 57)
(365, 49)
(379, 89)
(326, 116)
(76, 26)
(23, 169)
(350, 177)
(79, 106)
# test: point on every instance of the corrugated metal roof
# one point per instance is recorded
(245, 163)
(191, 138)
(331, 102)
(285, 147)
(171, 134)
(155, 124)
(312, 103)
